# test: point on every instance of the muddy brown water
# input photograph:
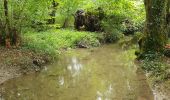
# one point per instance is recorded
(104, 73)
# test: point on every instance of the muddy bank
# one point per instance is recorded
(16, 62)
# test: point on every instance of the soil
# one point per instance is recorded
(16, 62)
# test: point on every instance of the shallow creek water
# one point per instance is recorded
(104, 73)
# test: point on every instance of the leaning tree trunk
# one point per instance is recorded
(156, 26)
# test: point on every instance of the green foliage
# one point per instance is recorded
(24, 12)
(112, 36)
(66, 10)
(69, 7)
(89, 40)
(50, 42)
(131, 9)
(112, 27)
(157, 68)
(117, 11)
(136, 37)
(156, 65)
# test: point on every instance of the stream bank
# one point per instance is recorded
(16, 62)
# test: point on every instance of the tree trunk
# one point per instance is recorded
(168, 17)
(156, 27)
(11, 36)
(7, 25)
(1, 32)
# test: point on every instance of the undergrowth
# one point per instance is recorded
(50, 42)
(157, 66)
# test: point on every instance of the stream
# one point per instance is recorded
(104, 73)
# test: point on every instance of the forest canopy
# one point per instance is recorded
(19, 15)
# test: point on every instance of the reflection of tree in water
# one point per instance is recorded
(61, 80)
(75, 66)
(106, 95)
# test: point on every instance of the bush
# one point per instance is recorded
(112, 36)
(112, 28)
(89, 40)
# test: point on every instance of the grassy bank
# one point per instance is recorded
(52, 41)
(40, 48)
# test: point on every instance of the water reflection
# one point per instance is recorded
(128, 85)
(75, 66)
(84, 75)
(61, 80)
(99, 95)
(106, 95)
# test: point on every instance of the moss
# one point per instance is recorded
(155, 33)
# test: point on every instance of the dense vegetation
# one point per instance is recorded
(20, 17)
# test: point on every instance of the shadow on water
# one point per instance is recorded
(105, 73)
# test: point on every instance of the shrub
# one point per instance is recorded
(112, 28)
(112, 36)
(89, 40)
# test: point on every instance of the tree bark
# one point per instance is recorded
(156, 27)
(168, 17)
(7, 25)
(2, 29)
